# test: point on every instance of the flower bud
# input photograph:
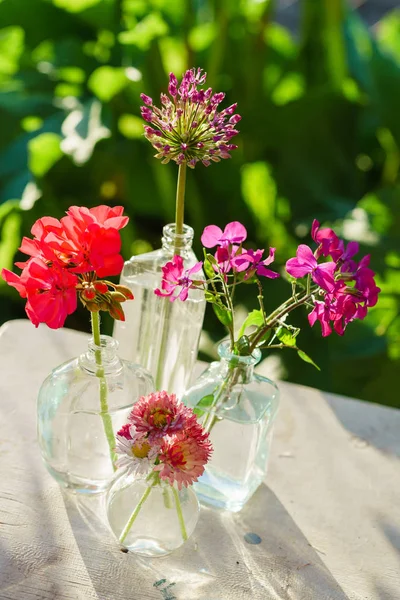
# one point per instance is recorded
(122, 289)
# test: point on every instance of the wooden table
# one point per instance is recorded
(328, 514)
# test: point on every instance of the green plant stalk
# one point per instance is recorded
(180, 515)
(105, 415)
(135, 513)
(180, 201)
(179, 217)
(284, 309)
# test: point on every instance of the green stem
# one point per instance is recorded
(134, 514)
(180, 202)
(105, 415)
(180, 514)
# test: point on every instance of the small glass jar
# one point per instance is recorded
(161, 335)
(149, 516)
(238, 407)
(80, 407)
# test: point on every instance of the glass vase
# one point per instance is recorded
(238, 407)
(161, 335)
(149, 516)
(81, 405)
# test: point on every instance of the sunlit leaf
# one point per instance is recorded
(43, 152)
(223, 315)
(11, 48)
(131, 126)
(253, 319)
(202, 36)
(148, 29)
(203, 404)
(105, 82)
(307, 359)
(75, 5)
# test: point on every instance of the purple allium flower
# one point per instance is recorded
(174, 277)
(188, 124)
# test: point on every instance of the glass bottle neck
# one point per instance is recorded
(103, 357)
(173, 243)
(240, 367)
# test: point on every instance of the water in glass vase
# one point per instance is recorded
(237, 407)
(161, 335)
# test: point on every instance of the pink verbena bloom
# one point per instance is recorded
(135, 452)
(188, 127)
(252, 262)
(160, 414)
(176, 279)
(234, 233)
(183, 456)
(305, 263)
(50, 292)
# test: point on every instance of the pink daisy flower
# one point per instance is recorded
(136, 452)
(183, 456)
(160, 414)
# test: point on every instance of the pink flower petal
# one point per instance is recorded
(211, 236)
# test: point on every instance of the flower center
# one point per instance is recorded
(141, 450)
(160, 418)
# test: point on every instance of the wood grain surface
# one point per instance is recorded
(328, 514)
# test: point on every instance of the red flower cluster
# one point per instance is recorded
(66, 258)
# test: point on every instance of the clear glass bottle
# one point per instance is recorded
(75, 431)
(161, 335)
(151, 518)
(238, 407)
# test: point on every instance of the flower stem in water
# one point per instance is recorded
(180, 515)
(105, 415)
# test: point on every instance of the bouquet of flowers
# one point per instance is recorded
(69, 259)
(326, 281)
(162, 442)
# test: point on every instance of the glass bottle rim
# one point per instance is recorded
(186, 236)
(225, 352)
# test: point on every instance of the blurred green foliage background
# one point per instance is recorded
(320, 138)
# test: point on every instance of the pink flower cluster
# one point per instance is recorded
(66, 257)
(188, 128)
(347, 289)
(163, 436)
(230, 256)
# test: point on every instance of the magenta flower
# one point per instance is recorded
(234, 233)
(327, 240)
(174, 277)
(305, 263)
(251, 260)
(188, 127)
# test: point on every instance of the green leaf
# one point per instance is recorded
(223, 315)
(286, 337)
(142, 34)
(75, 6)
(255, 318)
(209, 297)
(243, 346)
(43, 152)
(105, 82)
(208, 270)
(205, 402)
(307, 359)
(11, 48)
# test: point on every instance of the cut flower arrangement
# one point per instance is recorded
(326, 281)
(162, 449)
(81, 403)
